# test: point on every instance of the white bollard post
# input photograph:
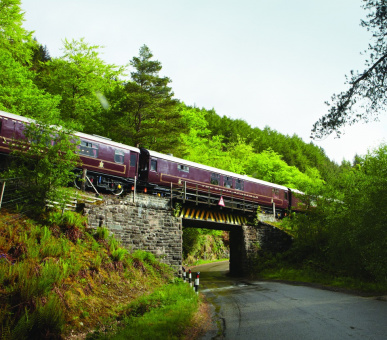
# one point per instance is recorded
(197, 283)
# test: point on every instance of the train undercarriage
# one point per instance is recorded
(100, 182)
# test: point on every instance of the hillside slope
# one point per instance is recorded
(58, 278)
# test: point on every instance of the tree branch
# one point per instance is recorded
(365, 74)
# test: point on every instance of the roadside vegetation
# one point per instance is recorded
(59, 278)
(342, 241)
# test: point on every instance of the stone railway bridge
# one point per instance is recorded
(148, 222)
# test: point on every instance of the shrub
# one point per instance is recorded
(44, 173)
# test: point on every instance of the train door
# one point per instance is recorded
(133, 164)
(143, 166)
(275, 193)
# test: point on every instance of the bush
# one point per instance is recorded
(44, 173)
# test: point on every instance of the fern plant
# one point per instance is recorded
(119, 254)
(101, 233)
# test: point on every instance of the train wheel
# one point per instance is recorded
(118, 190)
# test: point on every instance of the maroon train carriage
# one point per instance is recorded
(114, 166)
(161, 170)
(110, 166)
(11, 128)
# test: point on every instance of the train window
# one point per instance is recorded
(88, 149)
(215, 179)
(119, 156)
(133, 159)
(182, 167)
(227, 182)
(238, 184)
(286, 195)
(153, 166)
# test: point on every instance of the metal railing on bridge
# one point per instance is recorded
(204, 195)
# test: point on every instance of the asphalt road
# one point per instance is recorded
(244, 309)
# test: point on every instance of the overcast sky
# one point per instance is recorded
(270, 62)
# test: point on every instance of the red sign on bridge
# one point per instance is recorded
(221, 201)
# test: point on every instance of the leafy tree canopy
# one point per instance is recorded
(81, 78)
(18, 92)
(240, 156)
(13, 37)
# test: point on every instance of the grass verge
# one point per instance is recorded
(309, 275)
(164, 314)
(200, 261)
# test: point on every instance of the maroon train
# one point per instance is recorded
(115, 167)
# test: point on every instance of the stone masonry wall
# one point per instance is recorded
(247, 240)
(145, 224)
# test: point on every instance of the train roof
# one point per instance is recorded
(219, 171)
(107, 141)
(15, 117)
(95, 138)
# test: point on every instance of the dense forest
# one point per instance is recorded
(134, 104)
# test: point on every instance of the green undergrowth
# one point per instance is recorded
(325, 253)
(60, 278)
(278, 267)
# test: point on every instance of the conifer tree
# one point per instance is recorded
(146, 114)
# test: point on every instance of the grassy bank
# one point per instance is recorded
(164, 314)
(59, 279)
(311, 276)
